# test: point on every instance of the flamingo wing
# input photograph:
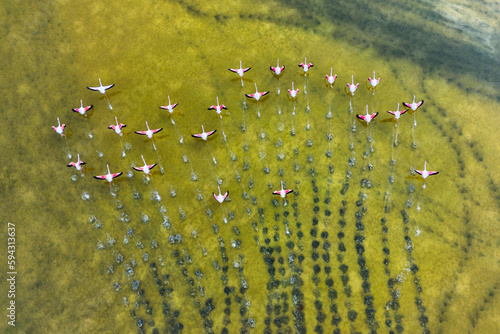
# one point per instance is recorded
(156, 130)
(250, 95)
(116, 174)
(432, 172)
(210, 133)
(372, 116)
(288, 191)
(96, 89)
(71, 164)
(419, 171)
(198, 135)
(392, 112)
(141, 132)
(112, 127)
(363, 117)
(246, 69)
(139, 169)
(264, 93)
(234, 70)
(225, 195)
(108, 86)
(407, 105)
(420, 103)
(152, 166)
(100, 177)
(403, 111)
(277, 192)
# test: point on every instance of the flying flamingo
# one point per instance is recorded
(203, 135)
(293, 92)
(352, 86)
(59, 128)
(425, 173)
(220, 198)
(82, 110)
(367, 118)
(257, 95)
(331, 78)
(305, 65)
(283, 192)
(102, 89)
(240, 71)
(146, 168)
(78, 164)
(397, 114)
(278, 70)
(373, 82)
(170, 108)
(218, 108)
(118, 127)
(108, 177)
(413, 106)
(149, 133)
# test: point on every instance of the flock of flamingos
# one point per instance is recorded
(350, 89)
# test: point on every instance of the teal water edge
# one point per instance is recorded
(362, 244)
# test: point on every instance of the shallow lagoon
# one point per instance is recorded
(443, 280)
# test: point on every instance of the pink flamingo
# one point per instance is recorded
(59, 128)
(203, 135)
(146, 168)
(425, 173)
(367, 118)
(331, 78)
(82, 110)
(278, 70)
(257, 95)
(108, 177)
(240, 71)
(118, 127)
(413, 106)
(283, 192)
(102, 89)
(220, 198)
(305, 65)
(78, 164)
(170, 108)
(293, 92)
(149, 133)
(352, 86)
(373, 82)
(218, 108)
(397, 114)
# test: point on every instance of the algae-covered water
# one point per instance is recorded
(359, 246)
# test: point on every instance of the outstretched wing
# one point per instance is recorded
(288, 191)
(198, 135)
(419, 171)
(96, 89)
(100, 177)
(363, 117)
(250, 95)
(432, 172)
(277, 192)
(372, 116)
(108, 86)
(407, 105)
(116, 175)
(141, 132)
(151, 166)
(211, 133)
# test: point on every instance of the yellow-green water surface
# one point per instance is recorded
(359, 246)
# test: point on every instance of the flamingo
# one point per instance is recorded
(257, 95)
(146, 168)
(149, 133)
(367, 118)
(220, 198)
(108, 177)
(203, 135)
(293, 92)
(240, 71)
(282, 192)
(218, 108)
(331, 78)
(102, 89)
(373, 82)
(170, 108)
(397, 114)
(352, 86)
(425, 173)
(82, 110)
(59, 128)
(118, 127)
(413, 106)
(78, 164)
(277, 70)
(305, 65)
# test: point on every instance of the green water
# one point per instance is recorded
(445, 53)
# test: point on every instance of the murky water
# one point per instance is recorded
(359, 246)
